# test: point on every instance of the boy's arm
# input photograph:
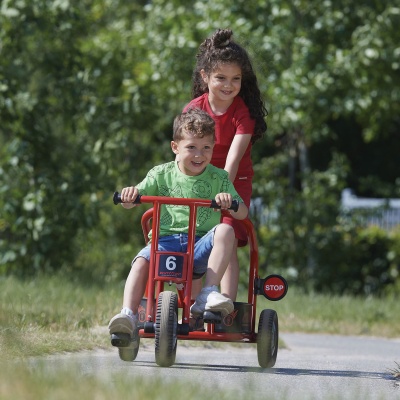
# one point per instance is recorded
(224, 200)
(128, 196)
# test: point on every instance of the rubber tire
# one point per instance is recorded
(166, 328)
(128, 353)
(267, 338)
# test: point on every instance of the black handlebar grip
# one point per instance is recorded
(117, 199)
(234, 206)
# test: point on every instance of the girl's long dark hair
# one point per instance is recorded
(220, 49)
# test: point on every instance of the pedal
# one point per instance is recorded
(211, 317)
(183, 329)
(121, 339)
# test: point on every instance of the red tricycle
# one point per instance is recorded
(164, 314)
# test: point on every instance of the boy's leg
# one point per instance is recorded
(224, 238)
(230, 280)
(209, 297)
(135, 286)
(197, 285)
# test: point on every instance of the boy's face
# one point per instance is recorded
(194, 154)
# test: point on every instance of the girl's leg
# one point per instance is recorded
(230, 280)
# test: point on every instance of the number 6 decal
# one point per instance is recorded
(170, 263)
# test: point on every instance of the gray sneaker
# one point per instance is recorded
(122, 323)
(199, 306)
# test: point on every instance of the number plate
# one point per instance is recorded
(170, 266)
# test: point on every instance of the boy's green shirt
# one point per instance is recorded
(167, 180)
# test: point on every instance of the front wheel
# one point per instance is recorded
(267, 338)
(129, 353)
(166, 329)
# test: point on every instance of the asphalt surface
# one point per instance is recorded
(309, 367)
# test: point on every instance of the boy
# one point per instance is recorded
(190, 176)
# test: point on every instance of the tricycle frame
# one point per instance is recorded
(165, 328)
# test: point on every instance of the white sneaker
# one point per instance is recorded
(217, 302)
(211, 300)
(122, 323)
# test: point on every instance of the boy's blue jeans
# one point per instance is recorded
(178, 243)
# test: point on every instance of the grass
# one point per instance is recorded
(395, 371)
(345, 315)
(24, 383)
(55, 315)
(52, 314)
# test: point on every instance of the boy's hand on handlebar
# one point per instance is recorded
(128, 196)
(224, 200)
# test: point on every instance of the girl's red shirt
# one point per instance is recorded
(235, 121)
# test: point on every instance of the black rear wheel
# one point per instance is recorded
(166, 329)
(267, 338)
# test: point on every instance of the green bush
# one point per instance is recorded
(304, 235)
(360, 260)
(338, 259)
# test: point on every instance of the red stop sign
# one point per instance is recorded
(275, 287)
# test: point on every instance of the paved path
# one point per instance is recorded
(311, 367)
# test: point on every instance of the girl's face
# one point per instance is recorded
(194, 154)
(224, 83)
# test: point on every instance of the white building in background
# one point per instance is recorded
(384, 213)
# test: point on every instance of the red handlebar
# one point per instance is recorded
(179, 201)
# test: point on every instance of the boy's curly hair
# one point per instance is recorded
(194, 122)
(221, 49)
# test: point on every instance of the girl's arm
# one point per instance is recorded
(241, 213)
(235, 154)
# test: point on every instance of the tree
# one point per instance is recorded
(89, 91)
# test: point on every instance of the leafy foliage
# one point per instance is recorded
(88, 92)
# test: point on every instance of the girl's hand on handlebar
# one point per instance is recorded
(224, 200)
(128, 196)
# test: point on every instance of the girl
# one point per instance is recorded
(225, 85)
